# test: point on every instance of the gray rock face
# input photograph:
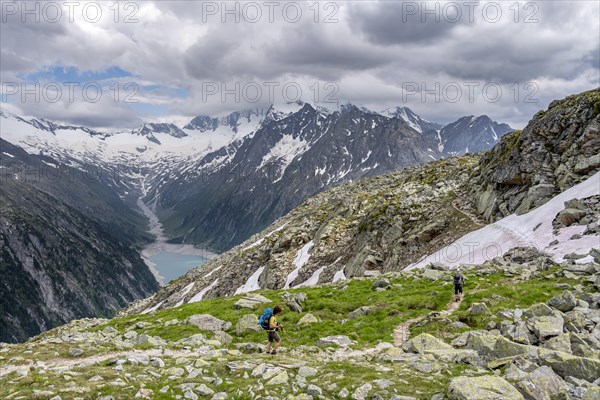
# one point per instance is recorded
(70, 244)
(482, 388)
(264, 187)
(207, 322)
(557, 149)
(471, 135)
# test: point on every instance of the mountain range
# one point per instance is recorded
(213, 182)
(538, 187)
(217, 180)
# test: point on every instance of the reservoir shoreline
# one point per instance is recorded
(160, 245)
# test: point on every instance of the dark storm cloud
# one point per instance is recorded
(406, 21)
(370, 52)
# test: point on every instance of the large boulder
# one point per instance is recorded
(434, 274)
(564, 302)
(487, 387)
(308, 319)
(546, 327)
(506, 348)
(424, 343)
(543, 384)
(569, 216)
(248, 322)
(294, 301)
(251, 301)
(539, 310)
(565, 364)
(559, 343)
(484, 344)
(207, 322)
(478, 309)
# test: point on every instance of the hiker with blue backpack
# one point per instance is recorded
(268, 321)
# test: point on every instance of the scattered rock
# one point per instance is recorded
(251, 301)
(382, 283)
(75, 352)
(543, 384)
(207, 322)
(307, 371)
(545, 327)
(424, 343)
(487, 387)
(248, 322)
(362, 392)
(564, 302)
(359, 312)
(308, 319)
(203, 390)
(279, 379)
(478, 309)
(338, 340)
(314, 390)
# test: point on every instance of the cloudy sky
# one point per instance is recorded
(114, 66)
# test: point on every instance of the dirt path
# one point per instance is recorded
(469, 214)
(402, 332)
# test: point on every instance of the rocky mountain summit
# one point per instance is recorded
(527, 328)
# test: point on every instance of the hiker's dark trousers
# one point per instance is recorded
(458, 289)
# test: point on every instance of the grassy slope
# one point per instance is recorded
(408, 297)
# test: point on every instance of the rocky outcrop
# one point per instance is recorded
(556, 150)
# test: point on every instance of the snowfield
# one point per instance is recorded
(532, 229)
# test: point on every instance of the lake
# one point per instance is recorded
(171, 265)
(169, 261)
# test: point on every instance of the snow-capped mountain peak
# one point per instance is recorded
(413, 120)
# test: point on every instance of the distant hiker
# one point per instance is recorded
(268, 321)
(459, 281)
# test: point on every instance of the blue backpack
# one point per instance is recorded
(263, 320)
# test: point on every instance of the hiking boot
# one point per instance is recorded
(274, 352)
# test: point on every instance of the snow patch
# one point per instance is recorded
(151, 309)
(313, 280)
(252, 282)
(301, 258)
(518, 230)
(186, 290)
(200, 295)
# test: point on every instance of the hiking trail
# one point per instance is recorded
(402, 332)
